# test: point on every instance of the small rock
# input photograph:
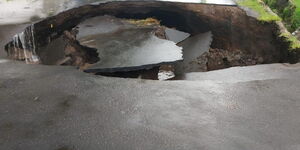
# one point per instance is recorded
(36, 99)
(166, 72)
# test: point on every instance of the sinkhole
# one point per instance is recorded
(150, 40)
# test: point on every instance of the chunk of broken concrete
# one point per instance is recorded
(125, 47)
(166, 72)
(193, 49)
(175, 35)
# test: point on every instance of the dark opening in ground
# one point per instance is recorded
(150, 40)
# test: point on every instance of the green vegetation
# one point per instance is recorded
(294, 42)
(296, 18)
(258, 6)
(289, 11)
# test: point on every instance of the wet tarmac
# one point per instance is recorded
(52, 107)
(61, 108)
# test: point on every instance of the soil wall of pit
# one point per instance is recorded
(232, 29)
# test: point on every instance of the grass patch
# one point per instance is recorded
(289, 11)
(294, 42)
(296, 16)
(258, 6)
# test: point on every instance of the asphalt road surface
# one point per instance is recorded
(61, 108)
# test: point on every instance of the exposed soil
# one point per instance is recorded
(238, 40)
(78, 55)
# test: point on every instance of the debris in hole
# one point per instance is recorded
(193, 49)
(80, 55)
(166, 72)
(218, 59)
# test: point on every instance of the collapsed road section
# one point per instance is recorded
(164, 39)
(127, 47)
